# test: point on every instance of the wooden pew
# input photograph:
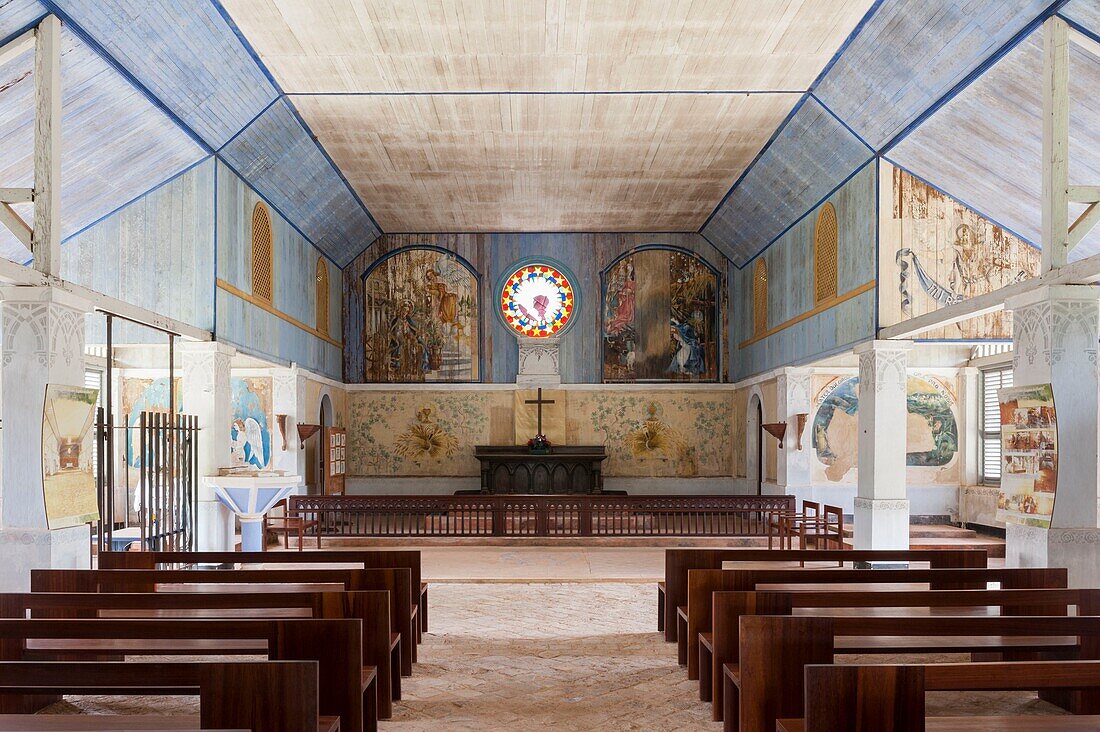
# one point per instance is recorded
(368, 559)
(696, 617)
(346, 688)
(774, 651)
(672, 593)
(100, 722)
(891, 698)
(381, 647)
(267, 696)
(721, 646)
(396, 581)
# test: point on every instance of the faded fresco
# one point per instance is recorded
(932, 429)
(420, 319)
(403, 433)
(658, 434)
(139, 395)
(250, 432)
(660, 318)
(68, 449)
(937, 252)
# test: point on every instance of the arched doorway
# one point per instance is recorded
(754, 445)
(324, 418)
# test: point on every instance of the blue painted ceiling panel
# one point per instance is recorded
(187, 55)
(912, 52)
(116, 143)
(1085, 13)
(277, 155)
(16, 15)
(809, 158)
(998, 169)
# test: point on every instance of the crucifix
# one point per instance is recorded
(539, 401)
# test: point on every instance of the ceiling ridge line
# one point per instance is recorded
(546, 92)
(251, 51)
(844, 124)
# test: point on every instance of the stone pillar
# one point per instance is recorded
(43, 341)
(288, 398)
(1055, 333)
(881, 508)
(538, 362)
(792, 388)
(206, 394)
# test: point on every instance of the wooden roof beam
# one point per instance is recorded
(17, 47)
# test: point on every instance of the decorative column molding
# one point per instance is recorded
(881, 509)
(792, 388)
(970, 406)
(206, 394)
(538, 362)
(1055, 334)
(287, 398)
(43, 332)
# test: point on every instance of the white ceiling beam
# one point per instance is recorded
(1055, 228)
(17, 47)
(16, 195)
(46, 241)
(1084, 194)
(1084, 271)
(1084, 224)
(11, 221)
(1085, 42)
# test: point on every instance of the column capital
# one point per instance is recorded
(44, 294)
(1048, 293)
(213, 347)
(877, 346)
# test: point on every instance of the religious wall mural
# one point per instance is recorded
(932, 429)
(250, 431)
(657, 434)
(68, 449)
(660, 318)
(405, 433)
(421, 319)
(140, 394)
(944, 253)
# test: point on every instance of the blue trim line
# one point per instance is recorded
(1080, 28)
(277, 210)
(543, 93)
(281, 94)
(974, 74)
(215, 283)
(138, 197)
(248, 124)
(110, 60)
(813, 208)
(843, 124)
(749, 167)
(847, 42)
(961, 202)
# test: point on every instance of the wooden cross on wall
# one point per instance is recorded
(539, 401)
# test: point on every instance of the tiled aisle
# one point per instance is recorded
(547, 656)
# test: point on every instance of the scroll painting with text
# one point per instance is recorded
(1029, 455)
(660, 318)
(68, 455)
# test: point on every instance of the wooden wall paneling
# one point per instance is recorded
(19, 14)
(157, 252)
(107, 126)
(351, 46)
(278, 157)
(538, 162)
(996, 171)
(812, 155)
(909, 54)
(1085, 13)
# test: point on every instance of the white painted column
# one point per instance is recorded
(206, 394)
(288, 397)
(881, 507)
(792, 388)
(43, 343)
(1055, 334)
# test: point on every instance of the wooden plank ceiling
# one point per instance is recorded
(487, 115)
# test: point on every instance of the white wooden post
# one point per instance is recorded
(46, 236)
(1055, 143)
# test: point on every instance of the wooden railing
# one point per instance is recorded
(543, 515)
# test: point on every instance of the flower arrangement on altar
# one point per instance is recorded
(538, 444)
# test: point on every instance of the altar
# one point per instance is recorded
(515, 469)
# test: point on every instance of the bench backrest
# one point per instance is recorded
(890, 697)
(273, 696)
(679, 561)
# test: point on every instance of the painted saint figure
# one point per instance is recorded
(689, 357)
(248, 441)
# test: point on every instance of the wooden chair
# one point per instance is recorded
(291, 523)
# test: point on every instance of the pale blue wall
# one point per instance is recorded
(252, 328)
(790, 286)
